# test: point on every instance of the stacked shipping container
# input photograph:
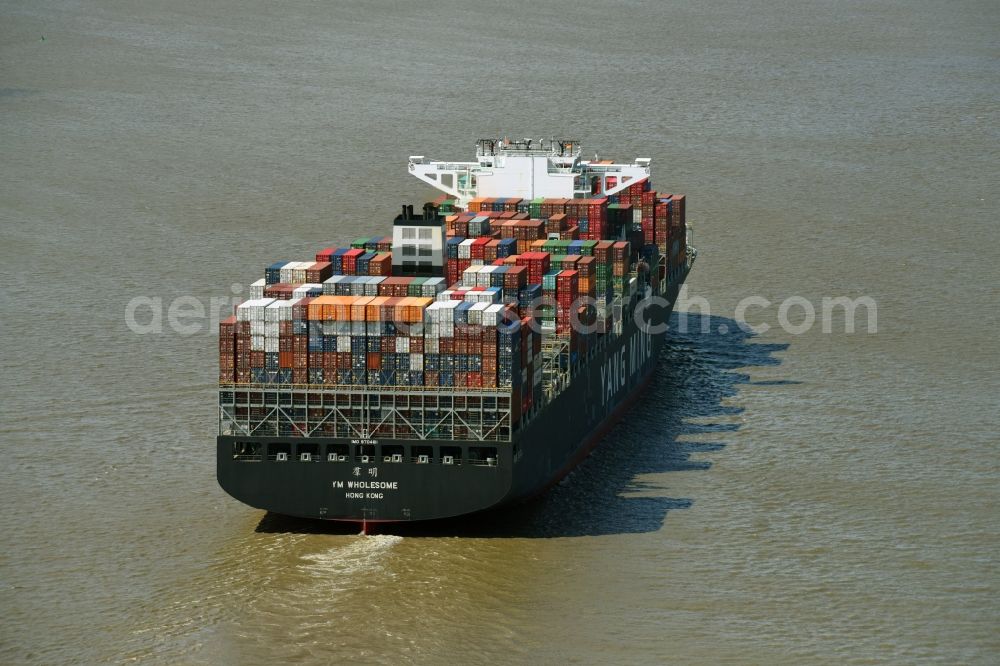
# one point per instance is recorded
(343, 319)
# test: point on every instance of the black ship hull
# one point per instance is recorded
(371, 489)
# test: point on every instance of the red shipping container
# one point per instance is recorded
(350, 260)
(572, 233)
(490, 251)
(300, 309)
(478, 248)
(556, 223)
(319, 272)
(380, 264)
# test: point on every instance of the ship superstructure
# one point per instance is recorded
(528, 168)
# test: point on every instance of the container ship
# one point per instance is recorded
(468, 361)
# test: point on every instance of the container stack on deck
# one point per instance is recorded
(342, 319)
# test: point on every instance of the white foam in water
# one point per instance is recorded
(361, 555)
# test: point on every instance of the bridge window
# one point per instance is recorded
(246, 451)
(482, 455)
(392, 453)
(337, 452)
(451, 455)
(279, 451)
(308, 452)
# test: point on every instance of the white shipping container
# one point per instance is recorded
(416, 362)
(432, 287)
(465, 248)
(483, 279)
(270, 344)
(446, 310)
(256, 343)
(430, 313)
(447, 329)
(271, 329)
(257, 327)
(476, 313)
(470, 276)
(280, 310)
(299, 272)
(306, 290)
(293, 272)
(257, 289)
(402, 345)
(493, 315)
(343, 343)
(252, 310)
(330, 284)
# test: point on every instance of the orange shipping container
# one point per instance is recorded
(358, 307)
(373, 309)
(319, 307)
(330, 308)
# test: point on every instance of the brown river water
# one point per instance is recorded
(785, 497)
